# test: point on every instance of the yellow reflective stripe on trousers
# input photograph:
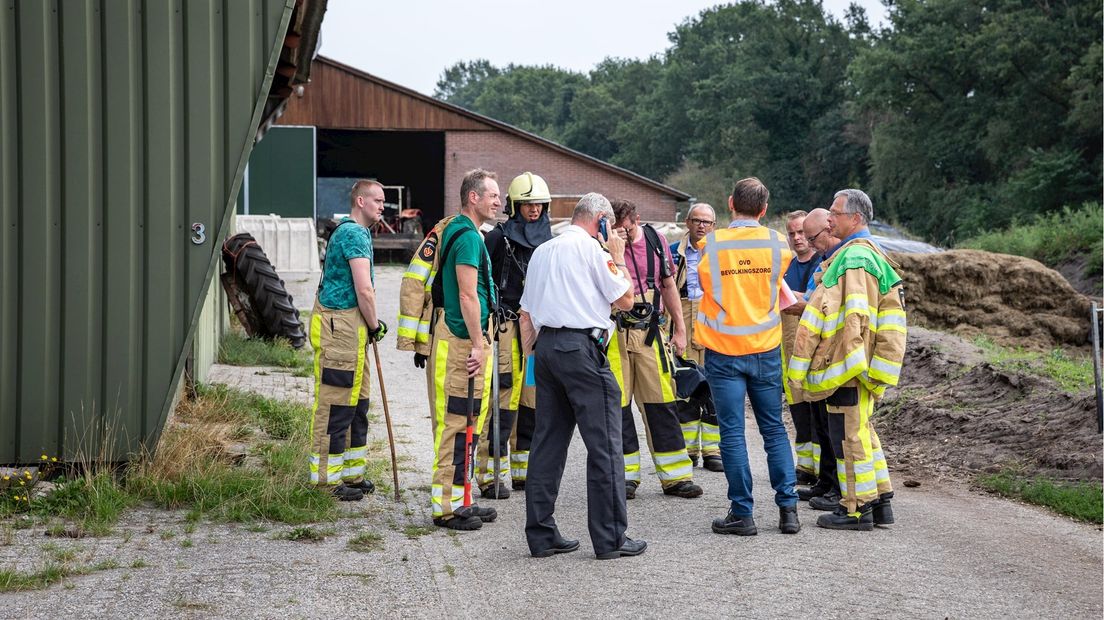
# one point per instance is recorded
(816, 456)
(690, 433)
(440, 401)
(519, 465)
(520, 366)
(632, 466)
(804, 452)
(614, 355)
(839, 373)
(671, 466)
(356, 460)
(666, 381)
(358, 374)
(881, 470)
(710, 435)
(316, 345)
(315, 460)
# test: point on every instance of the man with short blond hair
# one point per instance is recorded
(343, 323)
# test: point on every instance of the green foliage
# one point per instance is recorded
(1078, 500)
(366, 541)
(1072, 374)
(959, 116)
(93, 502)
(237, 350)
(280, 419)
(1051, 238)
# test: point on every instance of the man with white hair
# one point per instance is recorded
(849, 348)
(565, 316)
(697, 416)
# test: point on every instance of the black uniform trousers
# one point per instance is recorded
(826, 478)
(575, 387)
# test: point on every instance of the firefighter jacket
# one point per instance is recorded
(852, 331)
(689, 306)
(741, 278)
(415, 293)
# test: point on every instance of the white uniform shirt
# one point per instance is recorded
(571, 282)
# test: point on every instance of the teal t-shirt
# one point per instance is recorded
(348, 241)
(467, 249)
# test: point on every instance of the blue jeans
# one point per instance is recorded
(759, 376)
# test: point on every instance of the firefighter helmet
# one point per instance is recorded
(526, 187)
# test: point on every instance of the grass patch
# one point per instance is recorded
(307, 534)
(218, 404)
(237, 350)
(50, 573)
(1051, 238)
(1072, 374)
(416, 531)
(366, 541)
(1080, 500)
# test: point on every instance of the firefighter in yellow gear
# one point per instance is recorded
(849, 347)
(510, 245)
(698, 418)
(641, 362)
(343, 323)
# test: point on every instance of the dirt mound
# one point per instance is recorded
(953, 411)
(1016, 301)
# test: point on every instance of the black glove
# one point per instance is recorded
(420, 360)
(379, 333)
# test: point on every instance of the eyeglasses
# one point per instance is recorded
(837, 213)
(813, 238)
(698, 222)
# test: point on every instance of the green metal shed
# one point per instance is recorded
(125, 126)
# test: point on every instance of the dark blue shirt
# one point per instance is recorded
(799, 273)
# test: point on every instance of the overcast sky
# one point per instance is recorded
(412, 42)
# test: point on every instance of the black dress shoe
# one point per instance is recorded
(787, 520)
(561, 546)
(731, 524)
(630, 548)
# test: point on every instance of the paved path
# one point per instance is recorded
(954, 553)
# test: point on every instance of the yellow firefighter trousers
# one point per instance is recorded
(342, 384)
(448, 400)
(644, 374)
(516, 402)
(860, 461)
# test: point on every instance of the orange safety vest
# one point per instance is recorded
(741, 273)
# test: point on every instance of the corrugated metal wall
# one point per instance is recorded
(122, 122)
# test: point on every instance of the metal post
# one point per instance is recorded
(1096, 368)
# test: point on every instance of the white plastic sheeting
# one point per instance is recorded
(292, 247)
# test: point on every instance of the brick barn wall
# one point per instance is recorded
(509, 156)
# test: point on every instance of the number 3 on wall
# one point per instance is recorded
(199, 233)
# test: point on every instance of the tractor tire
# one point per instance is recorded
(271, 306)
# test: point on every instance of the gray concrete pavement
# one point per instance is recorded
(953, 553)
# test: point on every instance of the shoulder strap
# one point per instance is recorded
(484, 266)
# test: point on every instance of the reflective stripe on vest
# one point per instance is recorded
(734, 321)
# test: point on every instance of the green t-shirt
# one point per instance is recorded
(348, 241)
(467, 249)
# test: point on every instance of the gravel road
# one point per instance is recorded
(953, 553)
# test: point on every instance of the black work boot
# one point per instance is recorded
(787, 520)
(494, 491)
(630, 489)
(731, 524)
(693, 460)
(828, 501)
(882, 511)
(804, 477)
(519, 485)
(486, 515)
(686, 489)
(841, 520)
(347, 493)
(364, 485)
(808, 493)
(713, 463)
(457, 522)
